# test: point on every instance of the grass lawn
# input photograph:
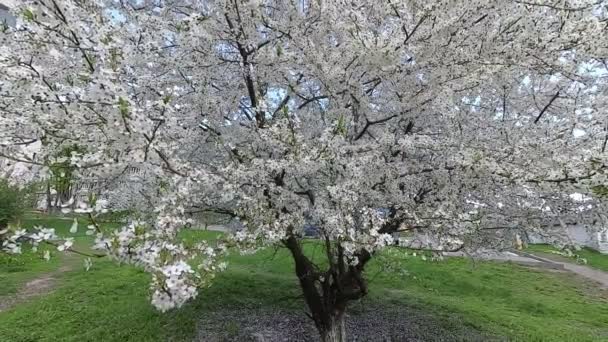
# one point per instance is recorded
(110, 302)
(594, 258)
(15, 271)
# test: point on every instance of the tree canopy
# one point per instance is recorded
(467, 120)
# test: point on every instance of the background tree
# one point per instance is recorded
(62, 180)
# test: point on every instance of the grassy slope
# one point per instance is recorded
(16, 271)
(109, 303)
(594, 258)
(511, 300)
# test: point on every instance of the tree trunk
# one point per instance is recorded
(328, 293)
(335, 331)
(56, 204)
(49, 200)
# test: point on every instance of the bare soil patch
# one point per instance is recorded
(388, 324)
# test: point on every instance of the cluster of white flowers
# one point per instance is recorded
(13, 242)
(172, 286)
(175, 279)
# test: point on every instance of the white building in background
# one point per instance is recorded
(9, 3)
(581, 236)
(5, 15)
(602, 242)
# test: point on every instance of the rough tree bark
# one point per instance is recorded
(336, 331)
(328, 292)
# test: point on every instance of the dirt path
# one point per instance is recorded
(41, 285)
(596, 275)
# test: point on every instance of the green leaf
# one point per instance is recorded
(477, 157)
(92, 199)
(341, 126)
(600, 190)
(28, 14)
(123, 106)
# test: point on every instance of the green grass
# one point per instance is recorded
(519, 302)
(594, 258)
(17, 270)
(110, 302)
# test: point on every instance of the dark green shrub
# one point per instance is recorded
(10, 203)
(14, 200)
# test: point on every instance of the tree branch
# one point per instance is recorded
(546, 107)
